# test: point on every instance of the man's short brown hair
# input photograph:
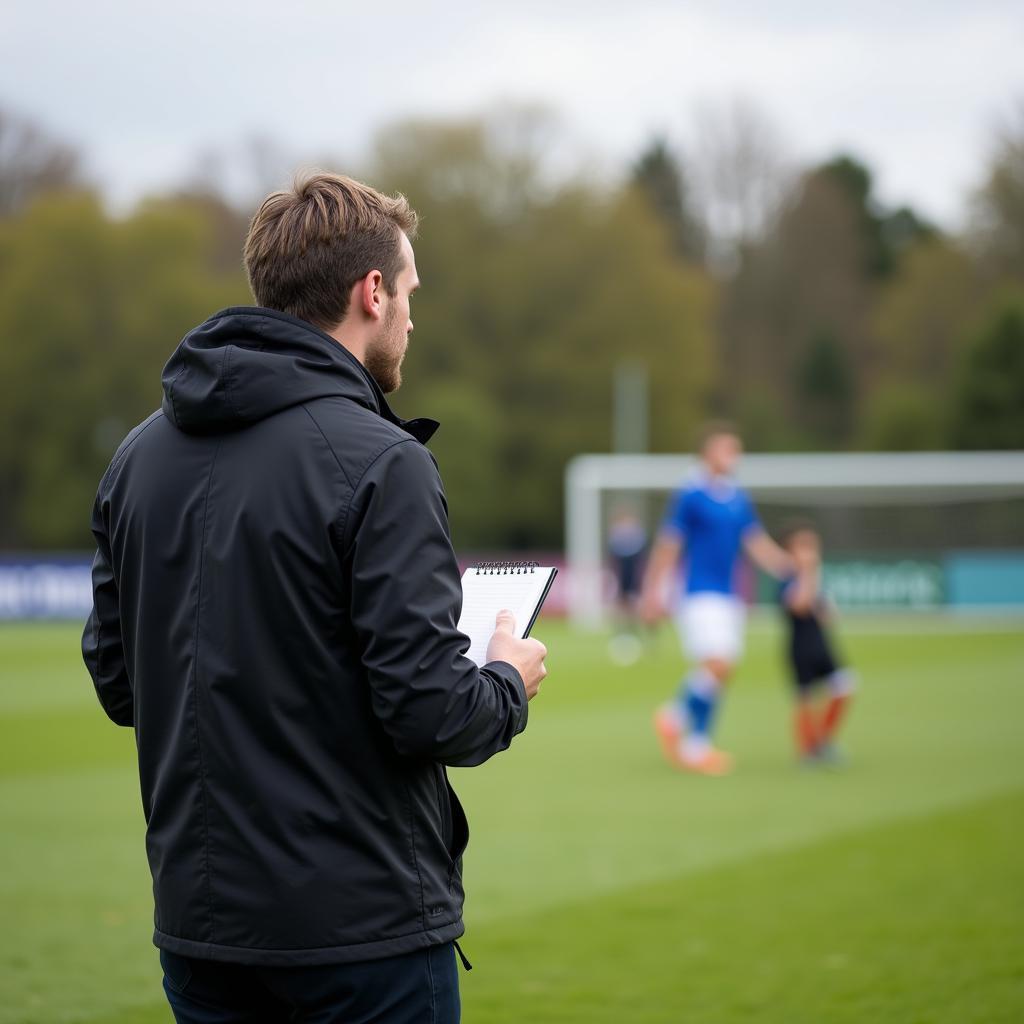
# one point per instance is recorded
(715, 428)
(308, 245)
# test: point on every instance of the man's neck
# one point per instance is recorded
(352, 340)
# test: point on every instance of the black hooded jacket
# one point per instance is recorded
(275, 608)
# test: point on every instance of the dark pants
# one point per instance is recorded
(415, 988)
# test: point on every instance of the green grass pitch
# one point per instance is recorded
(602, 886)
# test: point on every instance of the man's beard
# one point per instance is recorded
(385, 353)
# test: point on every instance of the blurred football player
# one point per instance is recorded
(713, 521)
(822, 685)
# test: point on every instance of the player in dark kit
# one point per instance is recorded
(627, 547)
(817, 672)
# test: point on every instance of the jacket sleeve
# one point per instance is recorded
(102, 649)
(406, 596)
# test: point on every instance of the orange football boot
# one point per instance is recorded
(669, 731)
(711, 762)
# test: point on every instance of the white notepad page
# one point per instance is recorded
(485, 593)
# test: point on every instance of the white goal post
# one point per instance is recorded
(863, 478)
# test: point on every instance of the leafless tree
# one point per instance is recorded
(741, 176)
(31, 161)
(996, 229)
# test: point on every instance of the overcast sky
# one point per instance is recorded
(912, 87)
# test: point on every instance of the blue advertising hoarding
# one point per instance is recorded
(58, 587)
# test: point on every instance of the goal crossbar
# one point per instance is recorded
(856, 478)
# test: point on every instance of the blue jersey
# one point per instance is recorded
(713, 517)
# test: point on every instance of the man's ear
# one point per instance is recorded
(371, 294)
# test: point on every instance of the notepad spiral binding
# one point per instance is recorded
(505, 568)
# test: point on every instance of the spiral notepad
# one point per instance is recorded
(491, 586)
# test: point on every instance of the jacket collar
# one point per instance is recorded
(246, 362)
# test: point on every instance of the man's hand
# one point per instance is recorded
(526, 656)
(768, 555)
(665, 555)
(652, 607)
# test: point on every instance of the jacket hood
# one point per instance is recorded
(246, 363)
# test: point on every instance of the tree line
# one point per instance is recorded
(788, 299)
